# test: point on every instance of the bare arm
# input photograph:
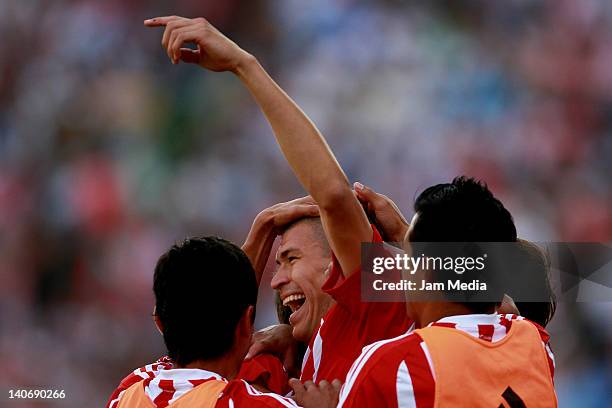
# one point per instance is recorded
(258, 245)
(305, 149)
(315, 166)
(268, 224)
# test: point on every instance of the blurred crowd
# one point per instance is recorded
(109, 153)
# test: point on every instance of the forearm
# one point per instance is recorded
(303, 146)
(313, 163)
(300, 141)
(258, 244)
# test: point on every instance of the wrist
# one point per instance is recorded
(264, 221)
(245, 64)
(260, 231)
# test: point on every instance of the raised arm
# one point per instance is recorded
(307, 152)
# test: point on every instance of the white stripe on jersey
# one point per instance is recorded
(317, 350)
(113, 403)
(253, 392)
(181, 381)
(305, 358)
(550, 354)
(360, 362)
(499, 332)
(428, 357)
(404, 388)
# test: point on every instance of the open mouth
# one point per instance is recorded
(294, 302)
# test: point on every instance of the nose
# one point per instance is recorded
(280, 278)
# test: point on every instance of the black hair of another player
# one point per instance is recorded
(463, 210)
(537, 264)
(202, 288)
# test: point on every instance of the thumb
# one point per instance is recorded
(255, 349)
(365, 192)
(190, 56)
(298, 387)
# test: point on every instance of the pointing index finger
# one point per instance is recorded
(159, 21)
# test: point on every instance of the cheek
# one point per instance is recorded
(309, 279)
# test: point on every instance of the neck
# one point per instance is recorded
(429, 312)
(226, 366)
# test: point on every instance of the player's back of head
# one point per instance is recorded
(535, 269)
(464, 210)
(202, 288)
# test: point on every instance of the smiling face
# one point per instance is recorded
(303, 258)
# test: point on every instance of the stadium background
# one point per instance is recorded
(108, 153)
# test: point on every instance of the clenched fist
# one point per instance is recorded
(214, 51)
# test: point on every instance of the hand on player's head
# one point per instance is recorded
(389, 218)
(214, 51)
(282, 215)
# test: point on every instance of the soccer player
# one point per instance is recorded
(302, 258)
(349, 324)
(205, 295)
(264, 372)
(462, 354)
(438, 218)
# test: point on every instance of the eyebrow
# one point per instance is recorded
(286, 253)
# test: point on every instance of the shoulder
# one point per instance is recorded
(139, 374)
(388, 370)
(380, 361)
(241, 393)
(507, 319)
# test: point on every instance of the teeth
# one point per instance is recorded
(293, 298)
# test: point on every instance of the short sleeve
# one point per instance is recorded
(267, 370)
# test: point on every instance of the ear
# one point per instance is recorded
(507, 306)
(158, 323)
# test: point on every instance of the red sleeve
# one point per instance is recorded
(370, 392)
(126, 383)
(346, 291)
(388, 372)
(549, 353)
(239, 393)
(267, 370)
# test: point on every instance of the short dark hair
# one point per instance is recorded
(536, 263)
(202, 287)
(464, 210)
(316, 227)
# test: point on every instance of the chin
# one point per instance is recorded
(301, 334)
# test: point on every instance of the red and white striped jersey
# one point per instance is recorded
(398, 372)
(147, 372)
(164, 385)
(349, 325)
